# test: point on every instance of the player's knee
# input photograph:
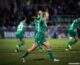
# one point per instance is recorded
(71, 39)
(34, 46)
(49, 48)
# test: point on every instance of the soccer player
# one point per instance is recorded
(72, 33)
(40, 14)
(40, 28)
(20, 33)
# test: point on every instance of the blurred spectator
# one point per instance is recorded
(13, 9)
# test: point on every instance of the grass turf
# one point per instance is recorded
(9, 57)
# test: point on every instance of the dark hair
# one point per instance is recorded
(23, 17)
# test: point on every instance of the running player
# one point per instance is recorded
(20, 33)
(40, 48)
(72, 33)
(40, 39)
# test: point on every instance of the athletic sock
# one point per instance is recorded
(20, 44)
(51, 55)
(74, 42)
(25, 54)
(40, 46)
(70, 43)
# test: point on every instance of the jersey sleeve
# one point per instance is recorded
(39, 23)
(38, 26)
(75, 23)
(44, 27)
(78, 25)
(41, 17)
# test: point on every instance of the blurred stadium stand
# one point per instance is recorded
(62, 12)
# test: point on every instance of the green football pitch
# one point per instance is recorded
(9, 57)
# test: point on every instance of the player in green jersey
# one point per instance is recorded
(40, 48)
(40, 28)
(72, 33)
(20, 33)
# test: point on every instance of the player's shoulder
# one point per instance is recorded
(75, 20)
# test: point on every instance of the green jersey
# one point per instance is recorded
(43, 26)
(74, 25)
(40, 29)
(40, 25)
(21, 26)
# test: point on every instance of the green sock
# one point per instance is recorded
(74, 41)
(25, 54)
(69, 43)
(20, 44)
(51, 55)
(40, 46)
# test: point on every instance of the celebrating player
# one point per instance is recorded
(40, 27)
(20, 33)
(40, 14)
(72, 33)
